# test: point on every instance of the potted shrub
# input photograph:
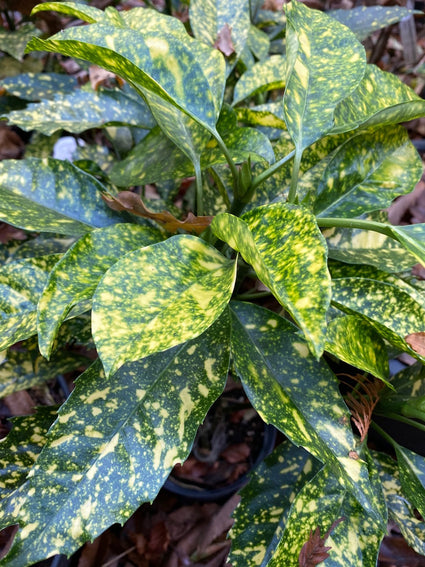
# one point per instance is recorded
(286, 205)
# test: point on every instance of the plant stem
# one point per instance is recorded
(169, 7)
(325, 222)
(269, 172)
(252, 295)
(228, 157)
(199, 190)
(295, 174)
(403, 419)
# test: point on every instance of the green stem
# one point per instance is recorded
(295, 174)
(269, 172)
(199, 190)
(169, 7)
(384, 434)
(325, 222)
(403, 419)
(252, 295)
(228, 157)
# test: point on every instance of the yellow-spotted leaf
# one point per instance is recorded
(364, 20)
(394, 311)
(381, 98)
(15, 42)
(411, 468)
(159, 297)
(20, 449)
(265, 503)
(208, 18)
(21, 284)
(86, 13)
(366, 173)
(67, 200)
(82, 110)
(298, 395)
(325, 63)
(269, 115)
(287, 250)
(412, 238)
(180, 78)
(400, 511)
(262, 77)
(355, 341)
(114, 444)
(75, 277)
(37, 86)
(322, 504)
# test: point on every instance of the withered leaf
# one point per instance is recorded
(417, 342)
(314, 550)
(224, 41)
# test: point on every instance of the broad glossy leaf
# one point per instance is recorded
(19, 371)
(356, 342)
(76, 275)
(209, 17)
(21, 284)
(366, 173)
(66, 200)
(269, 115)
(298, 395)
(20, 449)
(261, 77)
(37, 86)
(381, 98)
(364, 20)
(15, 42)
(265, 503)
(325, 63)
(82, 110)
(399, 509)
(114, 444)
(408, 389)
(286, 249)
(320, 503)
(159, 297)
(256, 48)
(411, 468)
(412, 237)
(86, 13)
(390, 309)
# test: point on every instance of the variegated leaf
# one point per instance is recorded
(86, 13)
(298, 395)
(412, 238)
(356, 342)
(408, 391)
(76, 275)
(21, 284)
(19, 371)
(288, 253)
(366, 173)
(390, 309)
(158, 297)
(82, 110)
(209, 17)
(269, 115)
(364, 20)
(67, 201)
(380, 99)
(37, 86)
(265, 502)
(411, 467)
(325, 63)
(20, 449)
(399, 509)
(319, 504)
(257, 47)
(15, 42)
(113, 445)
(262, 77)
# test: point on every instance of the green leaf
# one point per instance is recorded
(82, 110)
(364, 20)
(82, 11)
(262, 77)
(298, 395)
(319, 504)
(257, 47)
(288, 253)
(15, 42)
(21, 284)
(356, 342)
(407, 393)
(163, 295)
(399, 510)
(366, 173)
(391, 310)
(207, 20)
(20, 449)
(381, 98)
(412, 237)
(269, 115)
(124, 434)
(265, 503)
(37, 86)
(76, 275)
(411, 468)
(325, 63)
(19, 371)
(67, 201)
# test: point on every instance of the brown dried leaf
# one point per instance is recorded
(236, 453)
(11, 145)
(417, 342)
(224, 41)
(314, 551)
(20, 403)
(101, 78)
